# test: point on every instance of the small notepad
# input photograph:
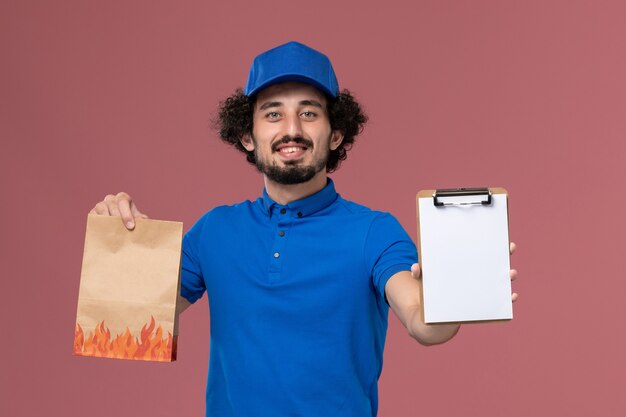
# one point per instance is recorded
(464, 255)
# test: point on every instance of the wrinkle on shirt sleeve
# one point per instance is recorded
(388, 250)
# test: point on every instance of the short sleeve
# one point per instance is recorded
(388, 250)
(192, 284)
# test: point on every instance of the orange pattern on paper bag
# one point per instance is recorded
(124, 346)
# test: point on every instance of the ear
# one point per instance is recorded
(336, 139)
(247, 142)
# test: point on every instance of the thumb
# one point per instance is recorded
(416, 271)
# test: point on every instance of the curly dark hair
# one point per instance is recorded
(234, 120)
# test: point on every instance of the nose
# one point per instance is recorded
(293, 125)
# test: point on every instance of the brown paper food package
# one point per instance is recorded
(129, 286)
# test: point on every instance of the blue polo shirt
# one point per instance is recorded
(296, 300)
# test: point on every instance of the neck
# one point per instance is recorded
(284, 194)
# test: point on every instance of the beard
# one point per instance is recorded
(292, 172)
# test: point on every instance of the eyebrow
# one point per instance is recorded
(269, 104)
(311, 103)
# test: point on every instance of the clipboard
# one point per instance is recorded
(463, 245)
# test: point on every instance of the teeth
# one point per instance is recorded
(290, 149)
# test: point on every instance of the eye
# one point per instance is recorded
(272, 115)
(308, 114)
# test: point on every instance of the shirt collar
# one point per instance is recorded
(307, 205)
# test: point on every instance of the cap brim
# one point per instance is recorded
(283, 78)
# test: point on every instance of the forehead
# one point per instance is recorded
(290, 92)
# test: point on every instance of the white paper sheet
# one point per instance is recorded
(465, 261)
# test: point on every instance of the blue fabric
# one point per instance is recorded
(298, 321)
(292, 61)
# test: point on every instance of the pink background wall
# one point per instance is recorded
(99, 97)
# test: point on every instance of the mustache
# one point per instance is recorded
(293, 139)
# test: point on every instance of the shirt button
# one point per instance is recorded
(299, 214)
(283, 211)
(281, 233)
(276, 254)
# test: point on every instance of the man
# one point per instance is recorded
(299, 281)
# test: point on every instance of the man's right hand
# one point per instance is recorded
(122, 205)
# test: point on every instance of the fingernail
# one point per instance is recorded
(130, 224)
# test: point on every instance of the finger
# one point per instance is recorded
(100, 209)
(513, 274)
(111, 202)
(416, 271)
(125, 211)
(514, 297)
(512, 247)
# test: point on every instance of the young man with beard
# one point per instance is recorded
(300, 280)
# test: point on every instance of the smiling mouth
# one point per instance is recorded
(291, 152)
(292, 149)
(288, 150)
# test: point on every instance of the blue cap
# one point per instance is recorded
(292, 61)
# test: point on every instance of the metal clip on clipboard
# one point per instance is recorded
(462, 197)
